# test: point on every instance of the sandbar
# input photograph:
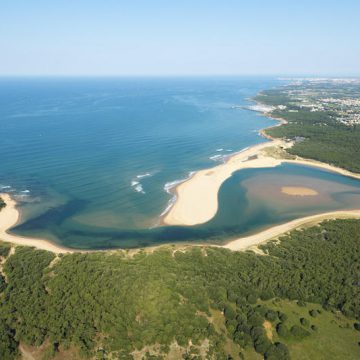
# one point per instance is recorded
(298, 191)
(197, 198)
(247, 242)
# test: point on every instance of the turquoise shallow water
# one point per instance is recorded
(90, 159)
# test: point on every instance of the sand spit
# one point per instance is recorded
(197, 198)
(247, 242)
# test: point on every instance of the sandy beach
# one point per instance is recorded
(9, 216)
(197, 200)
(247, 242)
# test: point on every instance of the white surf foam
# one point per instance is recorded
(136, 184)
(244, 149)
(143, 175)
(170, 185)
(220, 158)
(169, 205)
(4, 187)
(139, 189)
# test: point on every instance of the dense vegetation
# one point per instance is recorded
(2, 203)
(120, 305)
(325, 138)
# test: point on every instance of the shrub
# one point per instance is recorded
(304, 322)
(282, 330)
(262, 344)
(231, 296)
(282, 316)
(277, 351)
(242, 339)
(8, 345)
(4, 250)
(255, 319)
(299, 332)
(256, 332)
(2, 283)
(261, 310)
(2, 203)
(271, 315)
(267, 294)
(229, 313)
(252, 298)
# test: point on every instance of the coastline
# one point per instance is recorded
(197, 198)
(245, 243)
(9, 217)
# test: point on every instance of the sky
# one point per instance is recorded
(158, 37)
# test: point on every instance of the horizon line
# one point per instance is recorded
(286, 75)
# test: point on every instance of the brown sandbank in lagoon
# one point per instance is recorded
(292, 192)
(298, 191)
(197, 198)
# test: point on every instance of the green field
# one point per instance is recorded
(335, 337)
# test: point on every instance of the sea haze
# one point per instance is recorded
(91, 160)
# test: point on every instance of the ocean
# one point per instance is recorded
(91, 161)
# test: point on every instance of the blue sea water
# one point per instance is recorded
(91, 160)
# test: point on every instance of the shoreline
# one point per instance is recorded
(197, 198)
(247, 242)
(9, 216)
